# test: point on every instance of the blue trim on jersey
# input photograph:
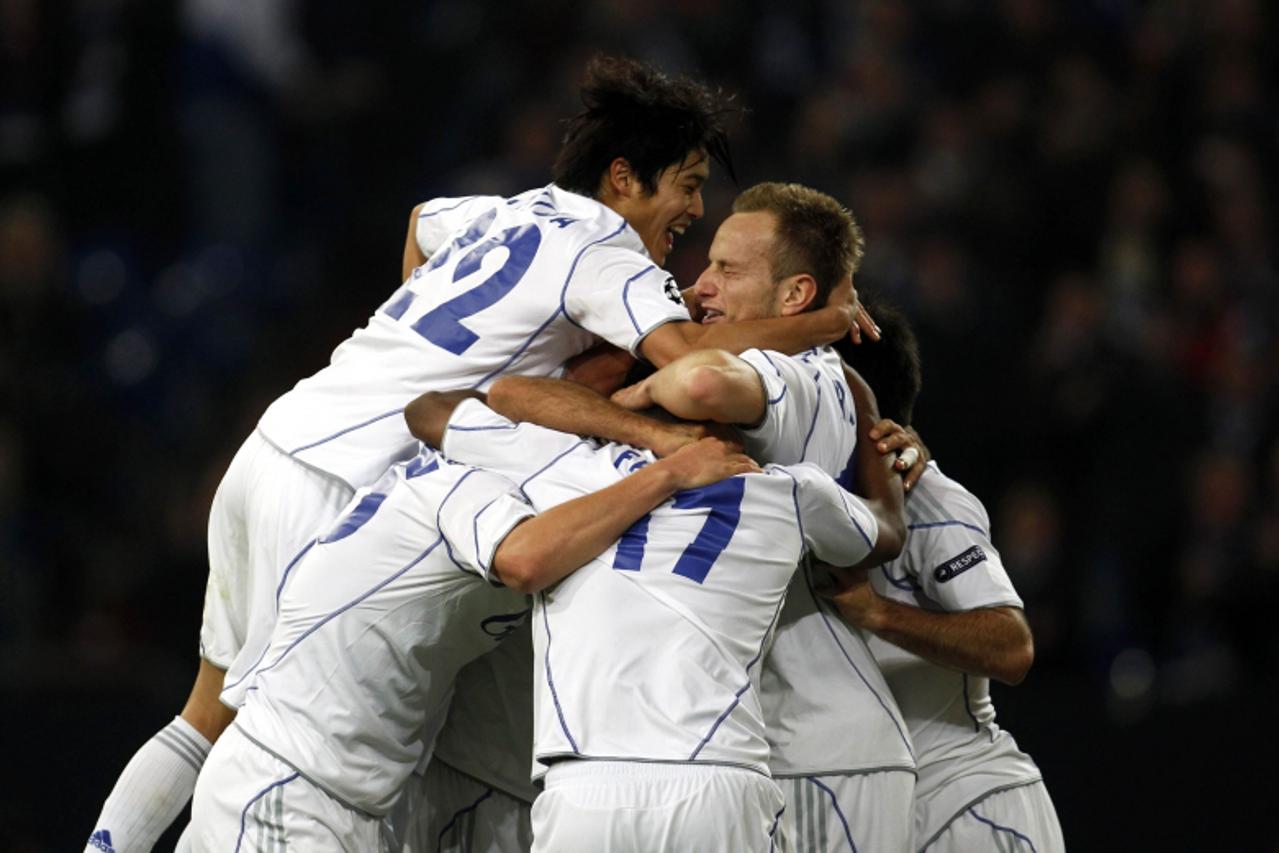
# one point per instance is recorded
(949, 522)
(772, 830)
(540, 471)
(905, 582)
(779, 397)
(343, 432)
(457, 428)
(803, 453)
(448, 546)
(826, 620)
(285, 577)
(239, 839)
(475, 535)
(834, 801)
(439, 840)
(737, 697)
(573, 268)
(999, 828)
(336, 613)
(626, 289)
(423, 214)
(550, 681)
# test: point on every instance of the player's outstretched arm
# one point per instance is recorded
(413, 257)
(546, 548)
(569, 407)
(994, 642)
(704, 385)
(428, 416)
(877, 482)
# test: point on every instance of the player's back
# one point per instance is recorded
(374, 623)
(948, 564)
(652, 650)
(513, 285)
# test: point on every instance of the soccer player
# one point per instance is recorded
(853, 791)
(513, 285)
(647, 660)
(375, 622)
(945, 620)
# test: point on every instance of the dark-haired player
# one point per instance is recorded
(945, 619)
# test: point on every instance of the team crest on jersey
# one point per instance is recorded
(671, 289)
(955, 567)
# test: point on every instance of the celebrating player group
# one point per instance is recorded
(471, 591)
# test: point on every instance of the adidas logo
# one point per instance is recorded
(102, 841)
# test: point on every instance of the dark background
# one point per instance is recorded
(1075, 202)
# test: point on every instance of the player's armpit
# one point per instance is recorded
(413, 257)
(428, 416)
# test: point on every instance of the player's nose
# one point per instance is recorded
(696, 207)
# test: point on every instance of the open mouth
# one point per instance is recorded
(711, 315)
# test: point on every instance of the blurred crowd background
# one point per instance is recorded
(1075, 202)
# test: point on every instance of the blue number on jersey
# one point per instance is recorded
(356, 518)
(442, 325)
(723, 499)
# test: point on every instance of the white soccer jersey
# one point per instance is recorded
(374, 623)
(513, 285)
(651, 651)
(950, 565)
(827, 706)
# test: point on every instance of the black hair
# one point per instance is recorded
(651, 119)
(891, 366)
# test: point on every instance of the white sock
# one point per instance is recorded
(151, 791)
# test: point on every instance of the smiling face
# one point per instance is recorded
(738, 284)
(666, 212)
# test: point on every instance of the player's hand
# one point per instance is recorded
(667, 438)
(852, 593)
(707, 461)
(859, 320)
(912, 456)
(637, 397)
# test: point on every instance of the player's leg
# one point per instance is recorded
(247, 799)
(446, 810)
(1015, 820)
(849, 812)
(159, 779)
(603, 806)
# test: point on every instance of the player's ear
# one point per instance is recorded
(795, 294)
(620, 179)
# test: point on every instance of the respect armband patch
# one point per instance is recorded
(956, 566)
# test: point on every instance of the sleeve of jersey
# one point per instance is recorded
(621, 296)
(441, 217)
(791, 396)
(959, 567)
(837, 526)
(477, 435)
(477, 515)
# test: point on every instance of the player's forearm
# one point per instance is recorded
(428, 416)
(789, 335)
(710, 385)
(569, 407)
(876, 480)
(552, 545)
(994, 642)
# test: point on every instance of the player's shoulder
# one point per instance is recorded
(940, 501)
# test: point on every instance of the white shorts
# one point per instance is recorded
(850, 812)
(448, 811)
(246, 799)
(635, 807)
(1015, 820)
(266, 510)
